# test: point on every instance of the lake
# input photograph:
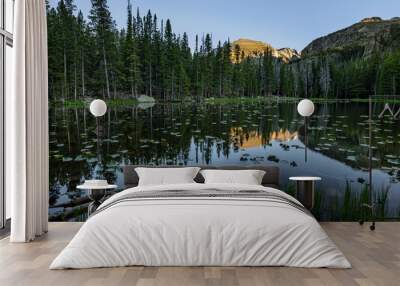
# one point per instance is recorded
(243, 133)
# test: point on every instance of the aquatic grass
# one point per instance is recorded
(289, 99)
(70, 104)
(236, 100)
(121, 102)
(81, 103)
(376, 100)
(291, 190)
(381, 199)
(353, 204)
(317, 210)
(348, 202)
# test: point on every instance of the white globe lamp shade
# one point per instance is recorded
(305, 107)
(98, 107)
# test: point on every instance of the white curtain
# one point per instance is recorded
(27, 124)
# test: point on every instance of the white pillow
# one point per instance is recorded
(166, 176)
(248, 177)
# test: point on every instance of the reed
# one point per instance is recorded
(349, 206)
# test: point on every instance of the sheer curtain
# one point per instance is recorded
(27, 123)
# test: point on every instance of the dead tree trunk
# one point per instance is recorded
(83, 74)
(75, 83)
(65, 75)
(106, 72)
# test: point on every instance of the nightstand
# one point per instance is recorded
(95, 193)
(305, 188)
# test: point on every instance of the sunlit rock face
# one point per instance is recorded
(288, 54)
(361, 39)
(358, 40)
(256, 48)
(283, 135)
(371, 19)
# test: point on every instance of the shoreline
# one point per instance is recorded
(120, 102)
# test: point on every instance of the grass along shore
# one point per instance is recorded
(81, 103)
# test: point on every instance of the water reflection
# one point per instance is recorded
(253, 133)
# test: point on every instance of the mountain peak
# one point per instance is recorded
(371, 20)
(255, 48)
(362, 38)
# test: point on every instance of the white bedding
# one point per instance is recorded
(200, 231)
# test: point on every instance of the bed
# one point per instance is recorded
(197, 224)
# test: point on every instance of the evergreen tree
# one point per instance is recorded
(227, 69)
(283, 81)
(389, 76)
(102, 26)
(169, 66)
(66, 26)
(315, 79)
(131, 62)
(92, 58)
(269, 76)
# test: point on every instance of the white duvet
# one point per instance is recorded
(202, 232)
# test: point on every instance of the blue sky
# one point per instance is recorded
(287, 23)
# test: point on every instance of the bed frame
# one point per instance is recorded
(270, 179)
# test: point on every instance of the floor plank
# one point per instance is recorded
(375, 257)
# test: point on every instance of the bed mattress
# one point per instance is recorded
(201, 225)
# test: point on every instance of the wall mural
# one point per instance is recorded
(222, 103)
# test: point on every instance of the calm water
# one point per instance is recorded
(239, 134)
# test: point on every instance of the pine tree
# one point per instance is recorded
(185, 66)
(196, 69)
(169, 58)
(55, 54)
(131, 70)
(316, 76)
(156, 58)
(82, 50)
(102, 27)
(283, 80)
(146, 53)
(269, 75)
(389, 75)
(227, 69)
(94, 58)
(218, 70)
(65, 11)
(207, 67)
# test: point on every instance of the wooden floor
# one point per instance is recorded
(375, 257)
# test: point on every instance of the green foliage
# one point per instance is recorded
(291, 189)
(318, 204)
(268, 72)
(79, 103)
(382, 199)
(88, 58)
(389, 76)
(235, 100)
(351, 206)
